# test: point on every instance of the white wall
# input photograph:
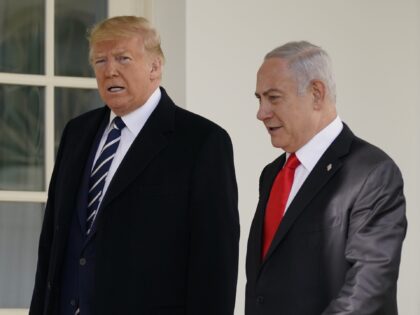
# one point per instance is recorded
(375, 46)
(169, 18)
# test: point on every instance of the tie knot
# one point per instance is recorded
(119, 123)
(292, 162)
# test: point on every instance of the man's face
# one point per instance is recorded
(126, 74)
(288, 117)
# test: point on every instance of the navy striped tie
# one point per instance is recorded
(100, 171)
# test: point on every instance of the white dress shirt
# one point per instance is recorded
(310, 154)
(134, 123)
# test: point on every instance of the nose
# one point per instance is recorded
(111, 69)
(264, 111)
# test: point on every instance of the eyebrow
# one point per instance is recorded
(115, 53)
(120, 52)
(268, 92)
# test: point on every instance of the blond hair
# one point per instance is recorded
(123, 27)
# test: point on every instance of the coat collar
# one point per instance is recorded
(324, 170)
(149, 142)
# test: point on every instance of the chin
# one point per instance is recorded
(118, 109)
(276, 143)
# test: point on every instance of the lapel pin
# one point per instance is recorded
(329, 167)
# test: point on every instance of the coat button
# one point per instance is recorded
(260, 299)
(82, 261)
(49, 286)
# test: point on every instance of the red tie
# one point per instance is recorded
(277, 202)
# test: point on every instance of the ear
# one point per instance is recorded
(156, 68)
(318, 91)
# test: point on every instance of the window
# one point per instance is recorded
(45, 80)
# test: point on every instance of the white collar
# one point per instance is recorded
(135, 120)
(312, 151)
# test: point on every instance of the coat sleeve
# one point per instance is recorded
(376, 232)
(41, 288)
(214, 230)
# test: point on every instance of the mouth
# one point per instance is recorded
(115, 89)
(273, 129)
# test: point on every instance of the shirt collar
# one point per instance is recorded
(135, 120)
(312, 151)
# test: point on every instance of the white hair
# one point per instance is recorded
(307, 63)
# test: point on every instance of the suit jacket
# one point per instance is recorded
(337, 250)
(168, 230)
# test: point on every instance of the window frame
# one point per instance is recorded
(49, 81)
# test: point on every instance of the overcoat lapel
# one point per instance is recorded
(149, 142)
(83, 138)
(82, 198)
(75, 163)
(323, 171)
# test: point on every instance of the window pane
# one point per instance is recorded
(21, 137)
(70, 103)
(22, 30)
(20, 226)
(72, 20)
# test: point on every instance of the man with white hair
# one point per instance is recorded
(330, 222)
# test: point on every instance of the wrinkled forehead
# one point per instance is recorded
(274, 72)
(274, 66)
(117, 45)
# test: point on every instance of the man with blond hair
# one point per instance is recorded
(141, 216)
(330, 222)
